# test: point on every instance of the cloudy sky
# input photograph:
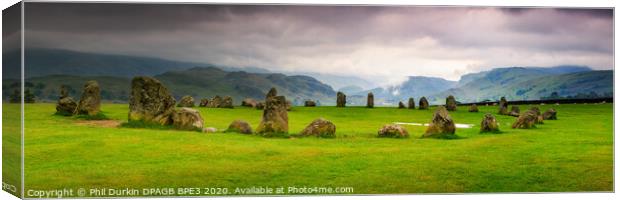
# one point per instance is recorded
(377, 43)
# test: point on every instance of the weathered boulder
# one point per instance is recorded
(503, 106)
(66, 105)
(249, 102)
(550, 114)
(309, 103)
(215, 102)
(275, 116)
(341, 99)
(186, 101)
(227, 102)
(489, 124)
(320, 128)
(150, 101)
(441, 125)
(187, 119)
(393, 131)
(514, 111)
(401, 105)
(90, 102)
(526, 120)
(539, 117)
(451, 103)
(204, 102)
(423, 104)
(239, 126)
(411, 104)
(473, 108)
(370, 100)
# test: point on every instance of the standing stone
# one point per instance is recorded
(66, 105)
(441, 125)
(186, 101)
(503, 106)
(539, 117)
(239, 126)
(489, 124)
(514, 111)
(90, 102)
(320, 128)
(215, 102)
(249, 102)
(393, 131)
(473, 108)
(309, 103)
(187, 119)
(341, 99)
(526, 120)
(411, 104)
(275, 116)
(370, 100)
(550, 114)
(423, 104)
(204, 102)
(150, 101)
(227, 102)
(401, 105)
(451, 103)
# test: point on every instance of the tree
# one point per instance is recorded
(28, 96)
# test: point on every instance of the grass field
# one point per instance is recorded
(574, 153)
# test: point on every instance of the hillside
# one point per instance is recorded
(43, 62)
(198, 82)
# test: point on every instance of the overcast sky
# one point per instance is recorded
(366, 41)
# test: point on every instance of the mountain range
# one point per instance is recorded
(47, 69)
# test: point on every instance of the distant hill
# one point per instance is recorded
(414, 86)
(520, 83)
(198, 82)
(43, 62)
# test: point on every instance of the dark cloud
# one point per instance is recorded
(400, 40)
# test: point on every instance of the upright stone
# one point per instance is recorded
(514, 111)
(411, 104)
(309, 103)
(227, 102)
(150, 101)
(90, 102)
(275, 116)
(204, 102)
(370, 100)
(451, 103)
(423, 104)
(66, 105)
(401, 105)
(489, 124)
(473, 108)
(503, 106)
(215, 102)
(526, 120)
(550, 114)
(441, 125)
(186, 101)
(539, 117)
(341, 99)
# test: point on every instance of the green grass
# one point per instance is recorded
(574, 153)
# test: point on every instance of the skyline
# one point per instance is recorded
(378, 43)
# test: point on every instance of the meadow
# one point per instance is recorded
(571, 154)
